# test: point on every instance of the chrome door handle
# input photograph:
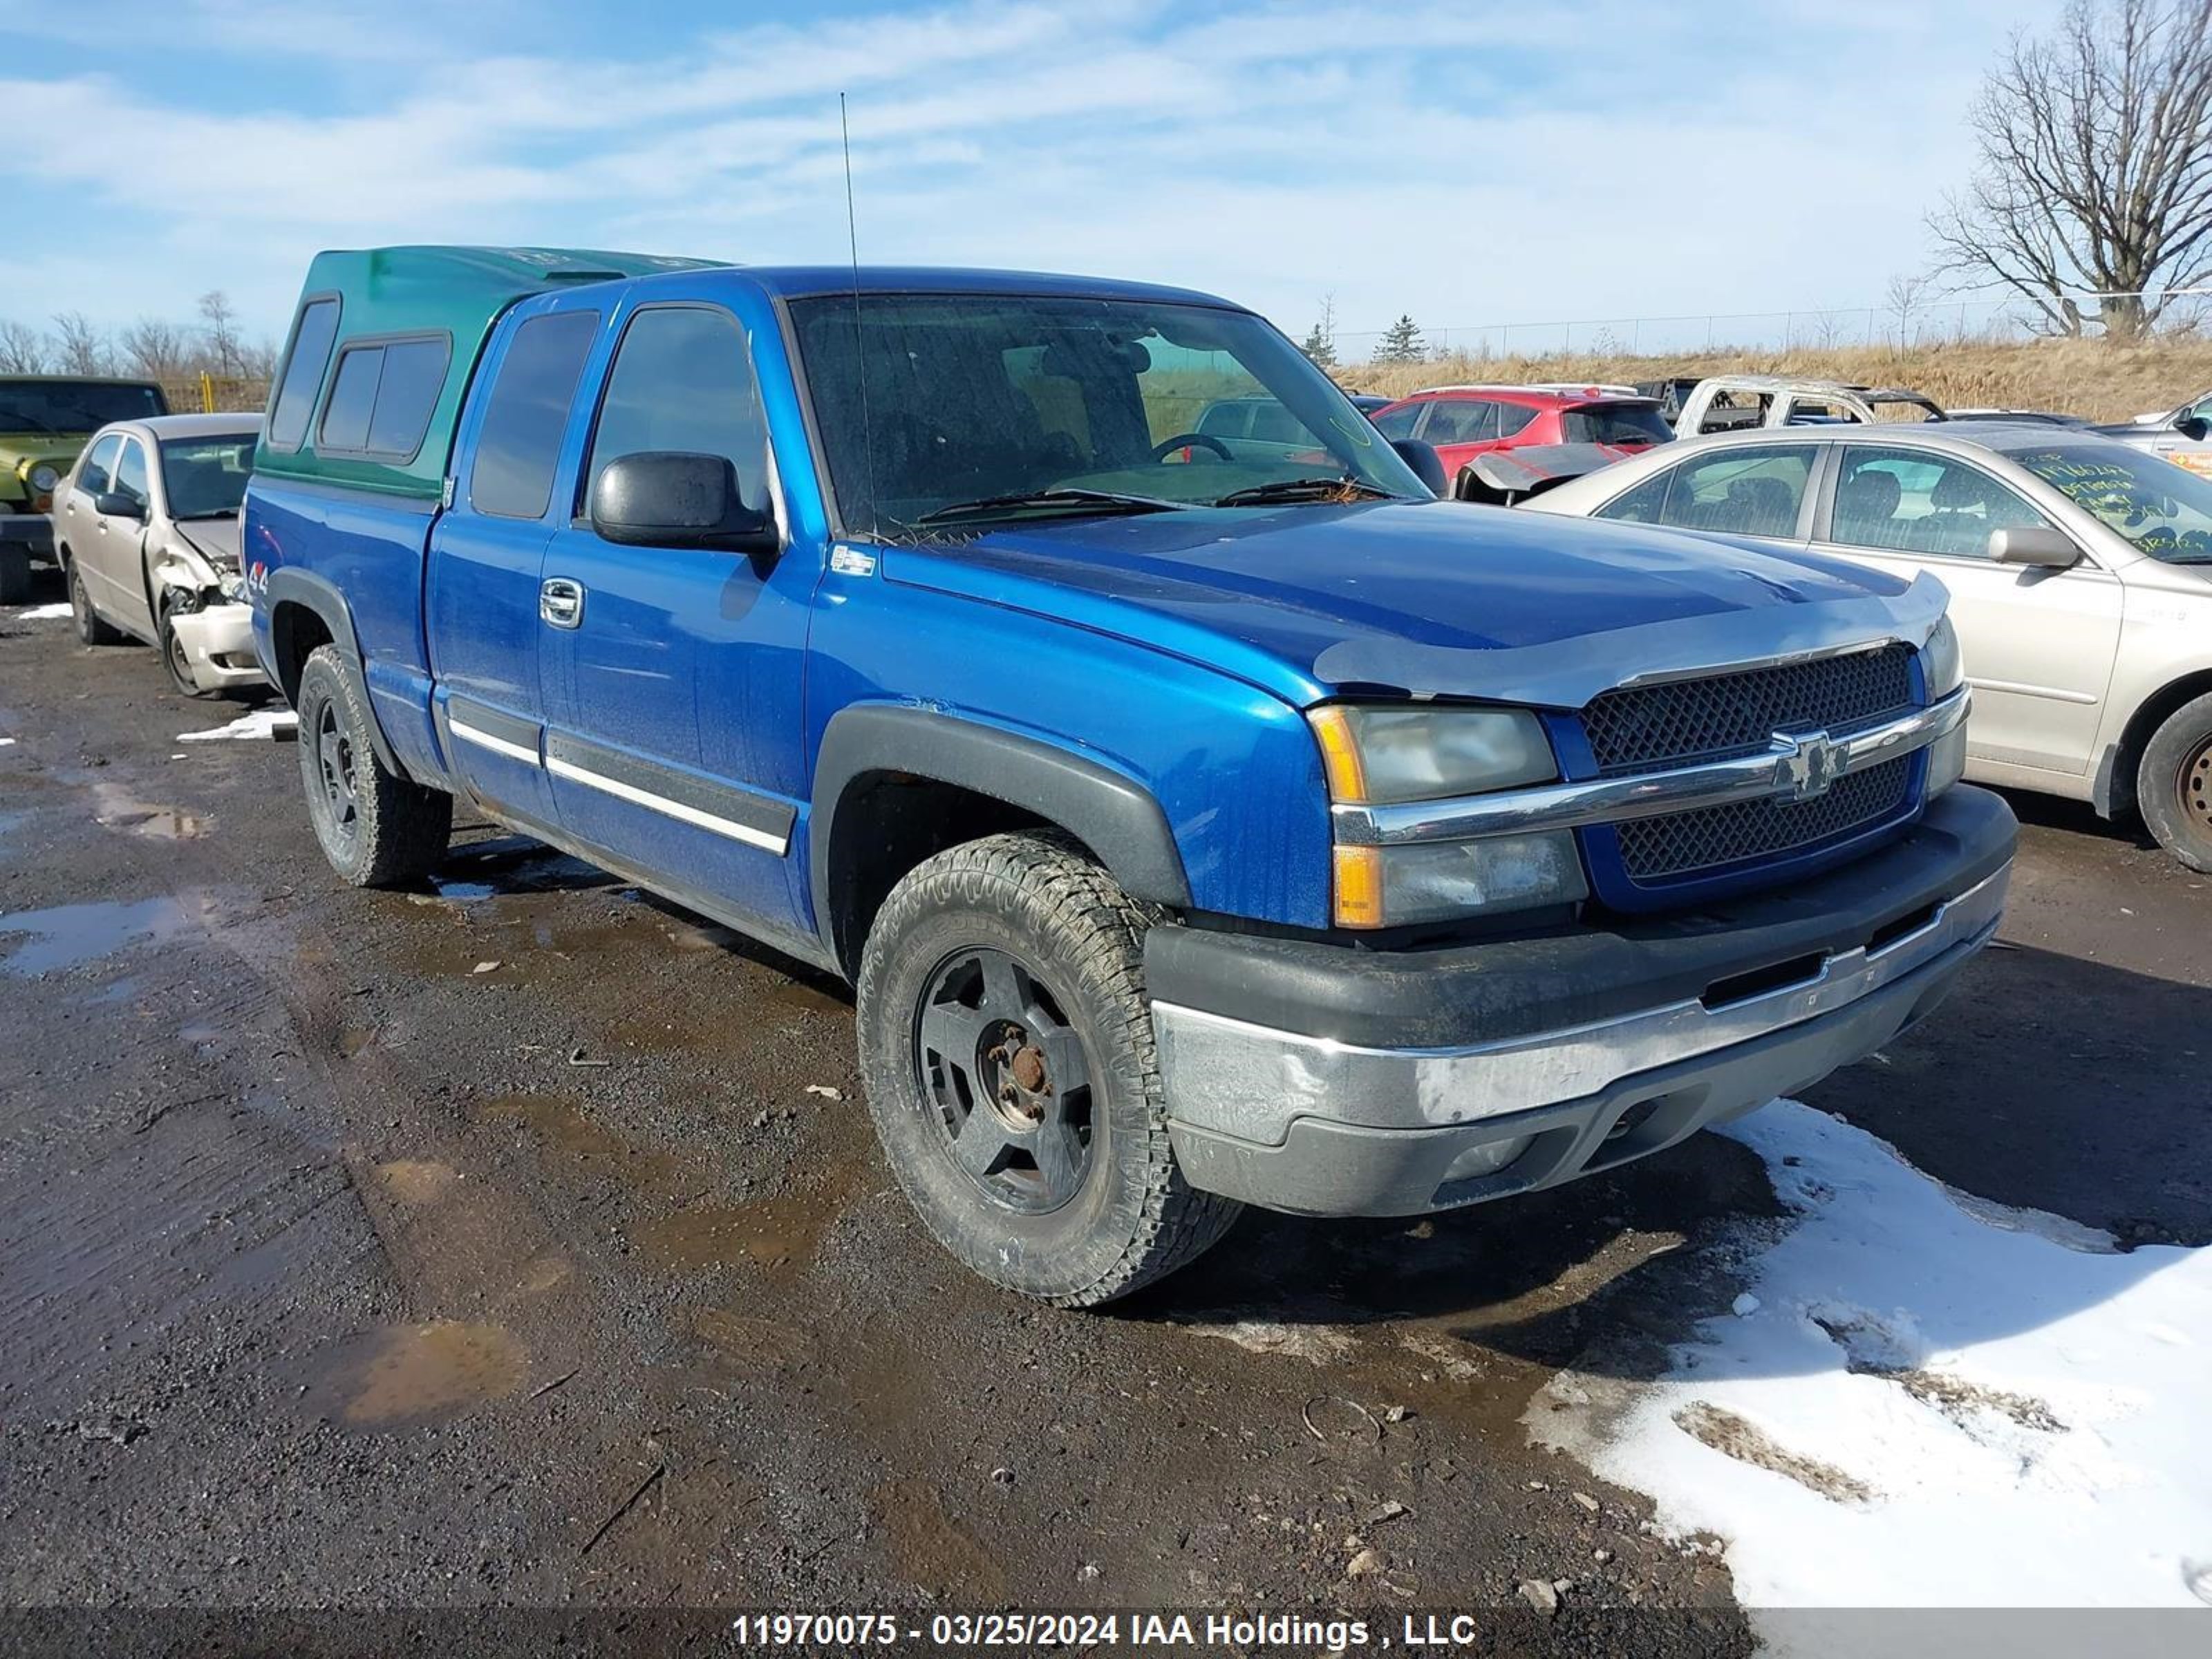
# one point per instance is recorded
(560, 603)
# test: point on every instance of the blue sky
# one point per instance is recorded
(1470, 162)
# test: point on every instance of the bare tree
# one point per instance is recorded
(1904, 297)
(157, 350)
(79, 348)
(219, 322)
(24, 350)
(2096, 165)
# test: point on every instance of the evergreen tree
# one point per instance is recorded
(1401, 343)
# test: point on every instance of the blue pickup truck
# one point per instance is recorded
(1198, 828)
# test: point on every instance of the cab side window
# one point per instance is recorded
(683, 380)
(131, 472)
(99, 472)
(1911, 500)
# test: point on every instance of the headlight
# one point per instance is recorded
(233, 588)
(1381, 756)
(1940, 664)
(44, 478)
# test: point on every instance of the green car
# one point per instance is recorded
(44, 420)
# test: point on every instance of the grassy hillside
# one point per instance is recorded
(2080, 377)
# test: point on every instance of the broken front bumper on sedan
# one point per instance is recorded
(218, 641)
(1330, 1080)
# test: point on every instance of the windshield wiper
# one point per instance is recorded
(28, 422)
(1303, 489)
(212, 513)
(1061, 500)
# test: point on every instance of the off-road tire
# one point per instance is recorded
(2173, 784)
(396, 830)
(174, 659)
(1039, 899)
(14, 576)
(91, 627)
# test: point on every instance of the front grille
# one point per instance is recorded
(1642, 728)
(1714, 837)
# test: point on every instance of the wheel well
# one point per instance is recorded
(294, 631)
(887, 823)
(2142, 725)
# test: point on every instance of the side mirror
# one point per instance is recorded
(666, 498)
(114, 506)
(2193, 428)
(1428, 466)
(2048, 548)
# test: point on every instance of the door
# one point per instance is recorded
(673, 675)
(121, 540)
(484, 597)
(2038, 643)
(82, 530)
(1461, 428)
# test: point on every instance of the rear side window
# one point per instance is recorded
(519, 445)
(1399, 423)
(683, 380)
(303, 372)
(381, 398)
(1616, 423)
(1224, 420)
(1462, 421)
(99, 466)
(1741, 492)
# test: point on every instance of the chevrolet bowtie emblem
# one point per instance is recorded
(1809, 762)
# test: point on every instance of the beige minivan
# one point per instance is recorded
(2079, 570)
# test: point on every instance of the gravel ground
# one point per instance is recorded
(522, 1241)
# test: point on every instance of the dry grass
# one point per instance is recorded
(2080, 377)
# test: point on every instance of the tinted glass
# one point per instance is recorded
(99, 466)
(1621, 424)
(353, 399)
(683, 380)
(1272, 423)
(414, 374)
(1513, 418)
(54, 406)
(1742, 492)
(2164, 509)
(131, 472)
(303, 372)
(1914, 501)
(520, 444)
(1400, 421)
(205, 478)
(1224, 421)
(1462, 421)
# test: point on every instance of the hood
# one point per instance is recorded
(61, 450)
(215, 540)
(1426, 598)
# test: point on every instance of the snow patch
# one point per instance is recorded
(261, 724)
(43, 613)
(1922, 1401)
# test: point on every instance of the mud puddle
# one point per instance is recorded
(411, 1375)
(69, 935)
(114, 809)
(776, 1232)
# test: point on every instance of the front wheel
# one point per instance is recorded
(2173, 785)
(1011, 1073)
(376, 827)
(176, 660)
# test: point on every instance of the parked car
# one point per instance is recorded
(1369, 403)
(1197, 832)
(2080, 572)
(1732, 403)
(44, 421)
(1461, 423)
(145, 527)
(2182, 436)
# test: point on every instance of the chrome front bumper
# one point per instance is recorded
(219, 642)
(1307, 1124)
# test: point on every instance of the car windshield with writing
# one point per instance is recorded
(938, 410)
(2165, 510)
(204, 477)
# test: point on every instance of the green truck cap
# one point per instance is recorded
(391, 335)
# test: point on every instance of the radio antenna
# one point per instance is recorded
(860, 345)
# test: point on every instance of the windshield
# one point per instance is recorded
(73, 405)
(205, 478)
(2164, 509)
(977, 397)
(1622, 425)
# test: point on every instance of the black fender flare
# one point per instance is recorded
(290, 585)
(1112, 814)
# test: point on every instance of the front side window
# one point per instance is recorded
(1739, 492)
(2163, 510)
(312, 337)
(99, 466)
(520, 444)
(205, 478)
(1913, 500)
(939, 404)
(131, 472)
(683, 381)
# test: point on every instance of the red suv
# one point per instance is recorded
(1462, 421)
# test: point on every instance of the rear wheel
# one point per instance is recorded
(90, 626)
(2173, 785)
(1009, 1057)
(376, 827)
